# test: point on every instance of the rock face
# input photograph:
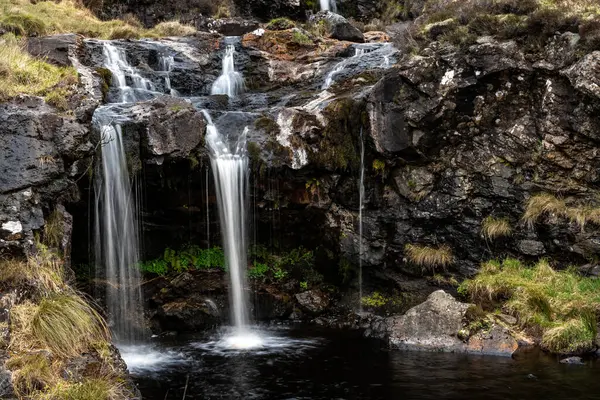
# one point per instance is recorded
(435, 325)
(43, 153)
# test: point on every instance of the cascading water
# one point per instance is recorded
(115, 60)
(328, 5)
(361, 199)
(230, 82)
(166, 64)
(230, 170)
(117, 241)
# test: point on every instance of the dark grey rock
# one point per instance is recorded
(572, 360)
(57, 49)
(313, 301)
(531, 247)
(338, 26)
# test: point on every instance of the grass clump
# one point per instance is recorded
(542, 204)
(53, 229)
(429, 257)
(22, 24)
(558, 307)
(67, 325)
(33, 372)
(280, 24)
(173, 28)
(493, 228)
(545, 204)
(21, 73)
(43, 271)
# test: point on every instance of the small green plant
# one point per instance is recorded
(190, 257)
(303, 285)
(279, 273)
(379, 166)
(301, 38)
(258, 271)
(375, 300)
(493, 228)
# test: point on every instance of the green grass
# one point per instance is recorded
(22, 73)
(559, 307)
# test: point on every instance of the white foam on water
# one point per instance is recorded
(147, 358)
(252, 340)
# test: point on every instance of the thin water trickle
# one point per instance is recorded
(230, 82)
(230, 170)
(361, 199)
(167, 63)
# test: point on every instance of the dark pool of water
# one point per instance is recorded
(303, 363)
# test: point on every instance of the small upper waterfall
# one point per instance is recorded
(230, 82)
(115, 60)
(361, 199)
(230, 170)
(328, 5)
(117, 242)
(365, 57)
(166, 64)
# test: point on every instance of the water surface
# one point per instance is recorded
(301, 363)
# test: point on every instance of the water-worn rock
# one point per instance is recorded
(58, 49)
(431, 326)
(338, 27)
(435, 324)
(572, 360)
(313, 301)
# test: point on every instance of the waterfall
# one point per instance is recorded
(166, 64)
(328, 5)
(361, 199)
(117, 242)
(230, 171)
(115, 60)
(358, 51)
(230, 82)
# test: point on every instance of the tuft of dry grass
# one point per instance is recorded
(493, 228)
(172, 28)
(429, 257)
(43, 270)
(542, 204)
(67, 325)
(32, 373)
(53, 229)
(547, 204)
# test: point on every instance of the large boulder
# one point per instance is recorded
(313, 301)
(437, 325)
(338, 27)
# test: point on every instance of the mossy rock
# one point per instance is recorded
(280, 24)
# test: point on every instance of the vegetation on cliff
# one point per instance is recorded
(51, 328)
(557, 307)
(528, 21)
